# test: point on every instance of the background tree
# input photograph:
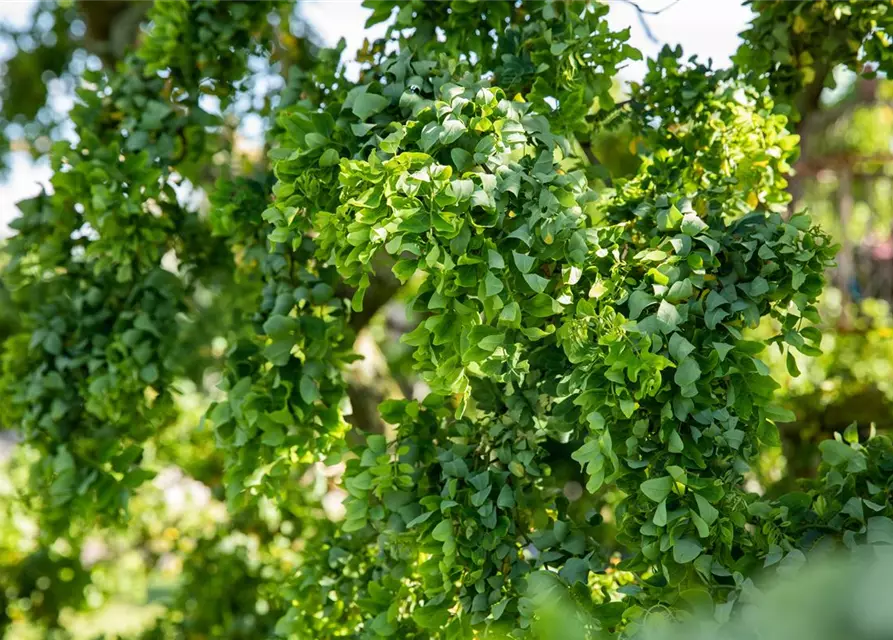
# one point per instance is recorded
(580, 406)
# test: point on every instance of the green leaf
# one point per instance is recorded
(443, 531)
(329, 158)
(536, 282)
(461, 158)
(708, 512)
(791, 365)
(680, 348)
(638, 301)
(657, 489)
(681, 290)
(510, 315)
(660, 514)
(836, 454)
(452, 130)
(309, 389)
(149, 373)
(686, 549)
(675, 444)
(492, 284)
(52, 344)
(668, 219)
(880, 530)
(506, 499)
(368, 104)
(758, 287)
(722, 349)
(700, 525)
(692, 225)
(279, 326)
(431, 617)
(523, 262)
(668, 317)
(687, 373)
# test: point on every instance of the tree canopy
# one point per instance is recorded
(581, 396)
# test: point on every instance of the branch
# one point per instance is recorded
(814, 120)
(645, 12)
(112, 27)
(651, 12)
(369, 383)
(382, 288)
(596, 163)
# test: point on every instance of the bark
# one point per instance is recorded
(112, 27)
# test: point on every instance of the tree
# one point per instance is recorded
(594, 397)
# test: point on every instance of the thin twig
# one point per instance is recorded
(645, 12)
(651, 12)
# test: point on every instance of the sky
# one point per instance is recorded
(707, 28)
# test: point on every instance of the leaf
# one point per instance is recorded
(462, 189)
(492, 284)
(279, 326)
(329, 158)
(309, 390)
(452, 130)
(660, 514)
(52, 344)
(443, 531)
(368, 104)
(675, 445)
(681, 290)
(791, 365)
(715, 300)
(836, 453)
(638, 301)
(523, 262)
(680, 348)
(461, 158)
(510, 315)
(700, 525)
(758, 287)
(536, 282)
(431, 617)
(419, 519)
(880, 530)
(708, 512)
(686, 549)
(506, 499)
(692, 225)
(575, 570)
(722, 349)
(657, 489)
(654, 255)
(149, 373)
(668, 316)
(668, 219)
(687, 373)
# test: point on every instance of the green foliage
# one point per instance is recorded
(593, 400)
(90, 379)
(792, 46)
(221, 37)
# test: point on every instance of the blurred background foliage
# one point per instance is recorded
(183, 566)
